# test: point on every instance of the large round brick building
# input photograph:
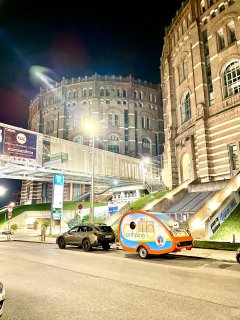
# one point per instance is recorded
(127, 112)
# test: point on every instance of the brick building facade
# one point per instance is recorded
(200, 78)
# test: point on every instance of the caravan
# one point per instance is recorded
(152, 233)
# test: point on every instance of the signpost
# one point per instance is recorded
(57, 201)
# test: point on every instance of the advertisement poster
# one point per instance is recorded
(18, 146)
(58, 190)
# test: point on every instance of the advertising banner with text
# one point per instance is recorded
(18, 146)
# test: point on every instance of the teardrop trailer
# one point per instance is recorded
(152, 233)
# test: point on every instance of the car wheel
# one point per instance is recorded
(238, 258)
(86, 245)
(106, 246)
(142, 252)
(61, 243)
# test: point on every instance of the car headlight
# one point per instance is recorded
(1, 287)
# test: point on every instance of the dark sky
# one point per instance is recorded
(76, 38)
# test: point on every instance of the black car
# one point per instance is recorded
(238, 255)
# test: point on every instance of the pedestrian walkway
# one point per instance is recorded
(35, 236)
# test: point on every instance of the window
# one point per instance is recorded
(220, 39)
(118, 92)
(84, 93)
(124, 92)
(231, 79)
(146, 147)
(203, 8)
(182, 70)
(90, 92)
(69, 96)
(222, 8)
(135, 94)
(231, 32)
(184, 26)
(233, 153)
(50, 126)
(180, 73)
(143, 123)
(213, 14)
(110, 120)
(78, 139)
(107, 92)
(211, 2)
(230, 2)
(74, 94)
(186, 107)
(101, 92)
(113, 120)
(113, 144)
(148, 123)
(150, 97)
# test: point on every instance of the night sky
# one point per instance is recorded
(76, 39)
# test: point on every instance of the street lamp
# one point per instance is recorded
(2, 191)
(91, 128)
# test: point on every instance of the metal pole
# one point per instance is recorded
(91, 215)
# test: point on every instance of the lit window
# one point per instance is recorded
(113, 144)
(146, 147)
(231, 79)
(220, 39)
(231, 32)
(186, 107)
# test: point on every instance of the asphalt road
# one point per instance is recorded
(44, 282)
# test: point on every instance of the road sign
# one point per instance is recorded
(80, 206)
(10, 209)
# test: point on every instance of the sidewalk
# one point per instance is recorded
(34, 236)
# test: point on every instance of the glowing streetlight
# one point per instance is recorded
(2, 191)
(91, 128)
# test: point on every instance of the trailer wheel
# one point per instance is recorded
(142, 252)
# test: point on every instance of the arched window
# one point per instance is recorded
(101, 92)
(90, 92)
(74, 94)
(84, 92)
(69, 95)
(231, 79)
(146, 147)
(124, 93)
(135, 94)
(78, 139)
(118, 92)
(113, 143)
(107, 92)
(186, 107)
(50, 126)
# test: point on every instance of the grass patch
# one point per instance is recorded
(140, 203)
(68, 205)
(229, 227)
(219, 245)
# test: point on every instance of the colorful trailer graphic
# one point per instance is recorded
(152, 233)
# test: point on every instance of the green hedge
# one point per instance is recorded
(220, 245)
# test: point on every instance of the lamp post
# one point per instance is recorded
(90, 128)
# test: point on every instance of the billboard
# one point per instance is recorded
(18, 146)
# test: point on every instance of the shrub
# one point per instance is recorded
(14, 227)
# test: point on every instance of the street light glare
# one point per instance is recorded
(89, 127)
(2, 191)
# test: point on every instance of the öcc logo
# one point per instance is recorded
(21, 138)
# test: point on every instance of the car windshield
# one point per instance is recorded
(104, 228)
